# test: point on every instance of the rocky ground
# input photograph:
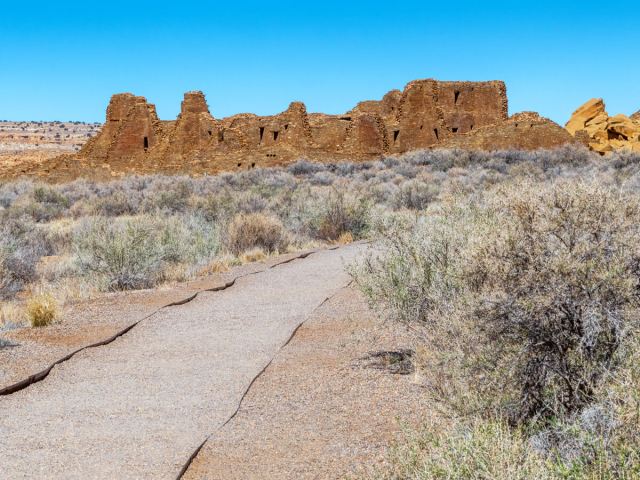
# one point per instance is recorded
(58, 137)
(23, 144)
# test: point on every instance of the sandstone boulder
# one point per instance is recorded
(605, 133)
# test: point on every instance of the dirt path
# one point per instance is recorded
(139, 407)
(326, 408)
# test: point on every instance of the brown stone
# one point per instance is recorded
(426, 114)
(523, 131)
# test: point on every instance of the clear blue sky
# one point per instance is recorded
(62, 60)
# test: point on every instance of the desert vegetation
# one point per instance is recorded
(523, 297)
(518, 273)
(83, 237)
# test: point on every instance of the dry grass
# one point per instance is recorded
(253, 255)
(255, 230)
(42, 310)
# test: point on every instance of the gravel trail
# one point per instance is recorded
(138, 407)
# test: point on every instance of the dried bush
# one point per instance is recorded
(557, 282)
(415, 195)
(42, 310)
(341, 213)
(127, 254)
(22, 244)
(249, 231)
(304, 167)
(539, 283)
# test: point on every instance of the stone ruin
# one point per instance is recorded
(426, 114)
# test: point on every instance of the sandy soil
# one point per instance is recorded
(321, 410)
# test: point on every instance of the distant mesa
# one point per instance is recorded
(426, 114)
(602, 132)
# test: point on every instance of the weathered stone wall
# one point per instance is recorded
(523, 131)
(426, 114)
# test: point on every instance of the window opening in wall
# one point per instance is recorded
(275, 136)
(286, 126)
(454, 129)
(146, 142)
(435, 130)
(240, 164)
(261, 133)
(210, 132)
(456, 95)
(253, 165)
(471, 127)
(395, 135)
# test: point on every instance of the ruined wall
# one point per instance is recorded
(426, 114)
(523, 131)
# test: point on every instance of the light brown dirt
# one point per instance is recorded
(317, 412)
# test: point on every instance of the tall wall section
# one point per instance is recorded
(426, 114)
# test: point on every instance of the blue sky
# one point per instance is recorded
(62, 60)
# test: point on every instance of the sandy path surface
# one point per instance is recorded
(138, 407)
(33, 350)
(324, 409)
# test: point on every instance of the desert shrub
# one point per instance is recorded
(135, 252)
(42, 310)
(322, 178)
(218, 207)
(171, 198)
(524, 302)
(557, 283)
(304, 167)
(340, 213)
(126, 254)
(22, 244)
(415, 195)
(250, 202)
(249, 231)
(49, 195)
(115, 205)
(539, 280)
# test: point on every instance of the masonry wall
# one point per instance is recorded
(426, 114)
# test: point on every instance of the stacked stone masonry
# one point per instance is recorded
(426, 114)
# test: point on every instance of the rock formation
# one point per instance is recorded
(604, 133)
(426, 114)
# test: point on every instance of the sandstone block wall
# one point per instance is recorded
(426, 114)
(523, 131)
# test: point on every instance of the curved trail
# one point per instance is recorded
(140, 406)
